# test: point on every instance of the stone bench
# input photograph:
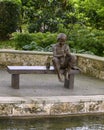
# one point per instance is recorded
(15, 71)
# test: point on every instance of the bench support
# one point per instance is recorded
(69, 83)
(15, 81)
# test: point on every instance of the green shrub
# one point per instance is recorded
(7, 44)
(80, 40)
(34, 46)
(9, 17)
(43, 40)
(46, 39)
(22, 39)
(87, 40)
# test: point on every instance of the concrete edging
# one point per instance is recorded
(53, 106)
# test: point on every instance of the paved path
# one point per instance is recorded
(48, 85)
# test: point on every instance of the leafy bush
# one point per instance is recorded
(80, 40)
(34, 46)
(9, 17)
(22, 39)
(7, 44)
(87, 39)
(45, 39)
(30, 40)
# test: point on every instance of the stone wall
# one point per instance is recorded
(13, 57)
(92, 65)
(50, 106)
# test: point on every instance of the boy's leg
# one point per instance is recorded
(56, 64)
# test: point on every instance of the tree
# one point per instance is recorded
(93, 12)
(9, 17)
(46, 15)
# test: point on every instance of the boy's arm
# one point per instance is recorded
(67, 50)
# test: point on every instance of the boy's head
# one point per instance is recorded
(61, 37)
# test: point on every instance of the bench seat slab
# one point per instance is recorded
(15, 71)
(30, 70)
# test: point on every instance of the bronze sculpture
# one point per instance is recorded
(63, 61)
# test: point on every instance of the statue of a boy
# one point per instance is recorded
(63, 61)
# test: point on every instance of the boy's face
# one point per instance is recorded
(61, 41)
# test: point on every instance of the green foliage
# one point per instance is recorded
(46, 15)
(9, 17)
(87, 40)
(7, 44)
(91, 13)
(45, 39)
(80, 40)
(30, 41)
(81, 20)
(22, 39)
(13, 1)
(34, 46)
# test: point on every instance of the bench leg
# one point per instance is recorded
(69, 83)
(15, 81)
